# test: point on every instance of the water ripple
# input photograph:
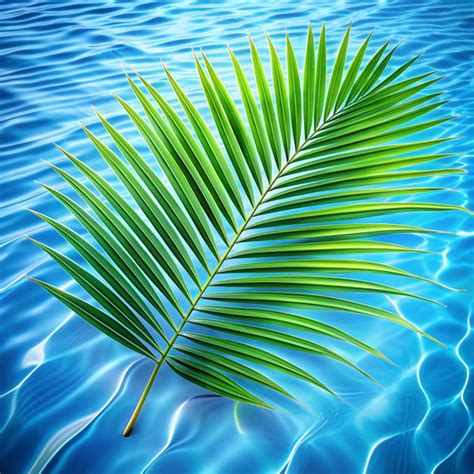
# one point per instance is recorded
(66, 391)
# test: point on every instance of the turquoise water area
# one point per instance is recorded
(66, 391)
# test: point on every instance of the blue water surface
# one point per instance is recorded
(66, 391)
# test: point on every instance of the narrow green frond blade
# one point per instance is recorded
(343, 196)
(281, 97)
(336, 75)
(392, 109)
(395, 74)
(335, 232)
(389, 104)
(378, 71)
(302, 282)
(379, 122)
(352, 168)
(309, 84)
(351, 74)
(366, 139)
(384, 151)
(362, 177)
(321, 266)
(321, 248)
(378, 132)
(266, 102)
(294, 89)
(320, 78)
(399, 90)
(356, 211)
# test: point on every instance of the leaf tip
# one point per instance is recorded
(250, 40)
(61, 149)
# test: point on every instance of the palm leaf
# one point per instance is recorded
(328, 144)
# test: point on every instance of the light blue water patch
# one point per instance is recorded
(66, 391)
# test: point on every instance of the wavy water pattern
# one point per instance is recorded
(66, 390)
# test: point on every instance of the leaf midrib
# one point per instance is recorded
(235, 240)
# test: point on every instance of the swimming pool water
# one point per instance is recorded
(66, 391)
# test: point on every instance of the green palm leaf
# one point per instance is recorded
(258, 221)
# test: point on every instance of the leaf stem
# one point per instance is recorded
(138, 408)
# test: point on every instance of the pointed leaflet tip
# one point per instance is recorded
(99, 116)
(196, 61)
(34, 241)
(60, 148)
(68, 155)
(233, 57)
(45, 186)
(118, 98)
(46, 162)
